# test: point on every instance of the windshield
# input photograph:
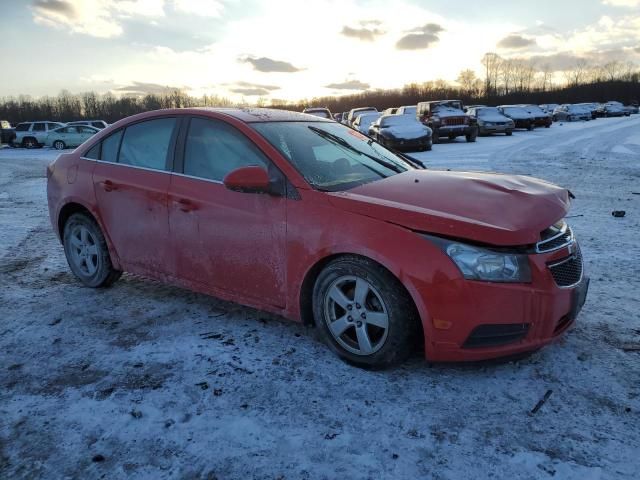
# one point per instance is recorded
(330, 156)
(445, 107)
(487, 112)
(409, 110)
(515, 111)
(534, 109)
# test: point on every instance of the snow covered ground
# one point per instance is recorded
(149, 381)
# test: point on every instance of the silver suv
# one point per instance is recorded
(33, 134)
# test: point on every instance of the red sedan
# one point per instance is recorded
(307, 218)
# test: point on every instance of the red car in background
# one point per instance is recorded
(307, 218)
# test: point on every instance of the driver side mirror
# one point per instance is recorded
(252, 179)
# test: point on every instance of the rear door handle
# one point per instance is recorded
(108, 185)
(185, 205)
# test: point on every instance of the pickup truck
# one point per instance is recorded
(7, 134)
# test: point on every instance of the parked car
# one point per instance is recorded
(92, 123)
(390, 111)
(7, 133)
(354, 112)
(401, 132)
(345, 118)
(632, 109)
(33, 134)
(521, 118)
(549, 107)
(407, 110)
(364, 120)
(593, 108)
(614, 109)
(568, 112)
(447, 119)
(70, 136)
(490, 120)
(319, 112)
(312, 221)
(540, 117)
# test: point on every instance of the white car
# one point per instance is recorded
(407, 110)
(100, 124)
(401, 132)
(365, 120)
(354, 112)
(33, 134)
(70, 136)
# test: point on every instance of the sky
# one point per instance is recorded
(294, 49)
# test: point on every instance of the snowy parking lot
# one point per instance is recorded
(144, 380)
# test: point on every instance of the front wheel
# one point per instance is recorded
(364, 314)
(87, 253)
(471, 137)
(509, 133)
(530, 126)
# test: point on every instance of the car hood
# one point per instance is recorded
(502, 210)
(407, 131)
(494, 117)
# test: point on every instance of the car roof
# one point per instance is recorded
(255, 115)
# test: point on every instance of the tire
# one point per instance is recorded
(429, 145)
(353, 336)
(59, 145)
(530, 126)
(471, 137)
(29, 142)
(547, 126)
(435, 137)
(555, 118)
(87, 253)
(509, 133)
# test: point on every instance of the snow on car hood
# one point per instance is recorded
(407, 131)
(505, 210)
(493, 117)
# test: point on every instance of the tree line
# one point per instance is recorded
(504, 81)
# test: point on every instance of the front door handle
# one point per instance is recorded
(108, 185)
(185, 205)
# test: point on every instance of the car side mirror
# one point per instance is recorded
(252, 179)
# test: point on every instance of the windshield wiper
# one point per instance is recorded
(342, 142)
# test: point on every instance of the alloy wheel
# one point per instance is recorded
(84, 250)
(356, 315)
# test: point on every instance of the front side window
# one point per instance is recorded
(23, 127)
(330, 156)
(214, 148)
(146, 144)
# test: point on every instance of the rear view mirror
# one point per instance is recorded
(251, 179)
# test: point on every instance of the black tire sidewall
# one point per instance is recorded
(402, 317)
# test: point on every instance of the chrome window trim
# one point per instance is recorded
(218, 182)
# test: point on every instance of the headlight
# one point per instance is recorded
(477, 263)
(489, 124)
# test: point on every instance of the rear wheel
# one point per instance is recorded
(471, 137)
(363, 313)
(435, 137)
(530, 126)
(29, 142)
(59, 145)
(509, 133)
(87, 253)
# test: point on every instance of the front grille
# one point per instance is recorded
(448, 121)
(568, 271)
(554, 238)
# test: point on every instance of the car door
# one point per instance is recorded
(131, 181)
(228, 240)
(39, 131)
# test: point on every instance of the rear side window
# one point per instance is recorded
(39, 127)
(97, 124)
(110, 147)
(52, 126)
(215, 148)
(146, 144)
(23, 127)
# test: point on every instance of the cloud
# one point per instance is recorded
(348, 85)
(622, 3)
(142, 88)
(421, 37)
(365, 33)
(204, 8)
(514, 42)
(55, 7)
(251, 89)
(97, 18)
(264, 64)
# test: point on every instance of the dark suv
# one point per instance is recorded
(447, 119)
(7, 134)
